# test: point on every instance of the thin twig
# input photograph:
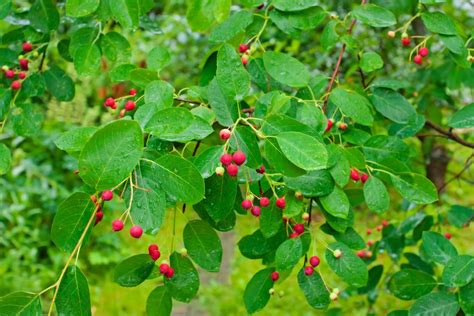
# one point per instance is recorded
(467, 165)
(449, 134)
(187, 101)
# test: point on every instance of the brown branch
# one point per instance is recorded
(339, 61)
(467, 165)
(187, 101)
(448, 134)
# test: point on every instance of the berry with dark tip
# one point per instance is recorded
(256, 211)
(308, 270)
(261, 169)
(239, 158)
(281, 202)
(355, 175)
(364, 177)
(107, 195)
(23, 64)
(245, 60)
(314, 261)
(99, 215)
(299, 228)
(10, 74)
(21, 75)
(329, 125)
(170, 273)
(224, 134)
(117, 225)
(164, 268)
(136, 231)
(154, 252)
(275, 276)
(243, 48)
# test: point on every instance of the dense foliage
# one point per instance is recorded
(302, 115)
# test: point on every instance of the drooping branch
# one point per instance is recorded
(449, 134)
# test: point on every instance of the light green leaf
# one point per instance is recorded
(159, 92)
(374, 15)
(159, 302)
(5, 159)
(376, 195)
(87, 60)
(232, 78)
(293, 23)
(286, 69)
(409, 284)
(440, 303)
(459, 271)
(415, 188)
(20, 304)
(288, 254)
(353, 105)
(79, 8)
(231, 27)
(348, 267)
(464, 118)
(158, 58)
(226, 110)
(336, 203)
(304, 151)
(27, 119)
(73, 294)
(73, 141)
(370, 61)
(278, 160)
(393, 105)
(115, 47)
(290, 5)
(438, 22)
(202, 15)
(438, 248)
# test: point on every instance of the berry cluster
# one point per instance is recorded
(232, 162)
(356, 176)
(128, 105)
(420, 50)
(166, 270)
(330, 123)
(23, 65)
(367, 253)
(244, 50)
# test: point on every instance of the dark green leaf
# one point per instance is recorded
(376, 195)
(270, 220)
(286, 69)
(159, 302)
(464, 118)
(73, 294)
(440, 303)
(256, 294)
(392, 105)
(438, 248)
(20, 304)
(184, 285)
(438, 22)
(79, 8)
(59, 84)
(336, 203)
(288, 254)
(353, 105)
(374, 15)
(232, 78)
(133, 270)
(314, 289)
(411, 284)
(348, 267)
(315, 183)
(415, 188)
(459, 271)
(44, 16)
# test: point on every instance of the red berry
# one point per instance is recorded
(264, 202)
(261, 169)
(107, 195)
(129, 105)
(153, 247)
(361, 253)
(370, 243)
(275, 276)
(244, 60)
(24, 64)
(27, 47)
(170, 273)
(99, 215)
(418, 59)
(329, 125)
(232, 170)
(355, 175)
(122, 113)
(294, 235)
(117, 225)
(16, 85)
(155, 255)
(343, 126)
(136, 231)
(132, 92)
(281, 202)
(308, 270)
(21, 75)
(247, 204)
(224, 134)
(448, 236)
(424, 52)
(109, 102)
(379, 228)
(239, 158)
(164, 268)
(226, 159)
(299, 228)
(256, 211)
(9, 74)
(364, 177)
(406, 41)
(314, 261)
(369, 231)
(243, 48)
(384, 223)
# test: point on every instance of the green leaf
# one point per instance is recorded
(5, 159)
(440, 303)
(208, 161)
(149, 201)
(220, 196)
(380, 147)
(348, 267)
(79, 8)
(203, 245)
(27, 119)
(466, 293)
(180, 179)
(5, 8)
(5, 99)
(34, 85)
(314, 289)
(270, 220)
(134, 270)
(122, 72)
(87, 60)
(231, 27)
(232, 78)
(341, 170)
(73, 141)
(415, 188)
(73, 294)
(460, 216)
(286, 69)
(126, 12)
(455, 44)
(459, 271)
(115, 47)
(111, 154)
(293, 23)
(336, 203)
(350, 237)
(392, 105)
(409, 284)
(59, 84)
(278, 161)
(438, 22)
(376, 195)
(329, 37)
(184, 285)
(255, 246)
(160, 93)
(438, 248)
(315, 183)
(227, 111)
(288, 254)
(142, 77)
(170, 124)
(374, 15)
(44, 16)
(290, 5)
(256, 294)
(464, 118)
(304, 151)
(158, 58)
(71, 220)
(353, 105)
(159, 302)
(202, 15)
(20, 304)
(370, 61)
(244, 139)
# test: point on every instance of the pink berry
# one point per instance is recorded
(164, 268)
(117, 225)
(224, 134)
(9, 74)
(364, 177)
(232, 170)
(406, 41)
(122, 113)
(308, 270)
(256, 211)
(281, 202)
(109, 102)
(16, 85)
(244, 60)
(369, 231)
(355, 175)
(239, 158)
(264, 202)
(27, 47)
(329, 125)
(226, 159)
(155, 255)
(99, 215)
(153, 247)
(21, 75)
(170, 273)
(299, 228)
(107, 195)
(448, 236)
(24, 64)
(246, 204)
(261, 169)
(243, 48)
(418, 59)
(132, 92)
(129, 105)
(294, 235)
(136, 231)
(361, 253)
(384, 223)
(424, 52)
(343, 126)
(275, 276)
(314, 261)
